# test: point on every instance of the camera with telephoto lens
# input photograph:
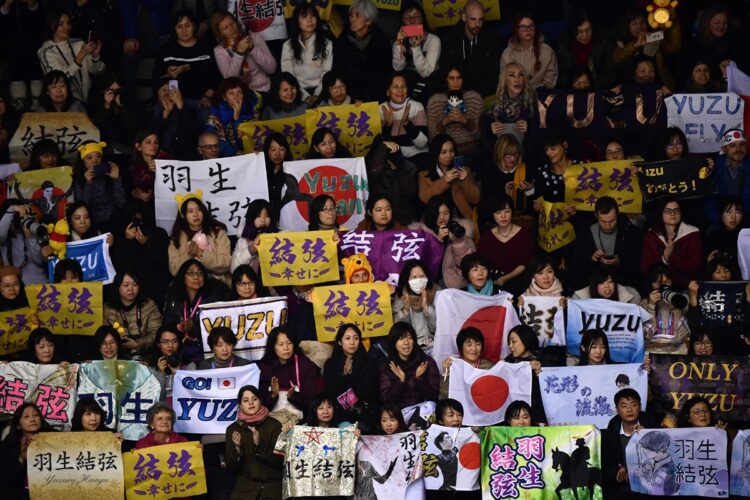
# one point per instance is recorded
(38, 229)
(675, 298)
(174, 359)
(456, 229)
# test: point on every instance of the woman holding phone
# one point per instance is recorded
(415, 51)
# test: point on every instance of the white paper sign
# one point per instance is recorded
(705, 117)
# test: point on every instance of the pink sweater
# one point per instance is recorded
(259, 59)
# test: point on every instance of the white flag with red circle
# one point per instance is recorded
(451, 457)
(493, 315)
(485, 394)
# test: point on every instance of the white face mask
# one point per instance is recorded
(417, 284)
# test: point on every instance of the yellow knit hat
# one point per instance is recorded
(182, 198)
(92, 147)
(356, 262)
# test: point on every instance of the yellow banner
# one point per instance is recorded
(380, 4)
(166, 471)
(14, 330)
(555, 229)
(47, 191)
(323, 8)
(255, 133)
(587, 182)
(80, 465)
(368, 305)
(68, 308)
(441, 13)
(303, 258)
(355, 125)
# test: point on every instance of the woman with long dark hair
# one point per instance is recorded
(414, 303)
(57, 96)
(246, 284)
(26, 424)
(98, 183)
(527, 48)
(142, 165)
(256, 222)
(378, 214)
(325, 144)
(285, 98)
(276, 151)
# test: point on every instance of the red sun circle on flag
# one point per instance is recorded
(469, 456)
(333, 181)
(255, 14)
(489, 393)
(226, 382)
(490, 321)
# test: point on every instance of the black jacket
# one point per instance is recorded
(365, 70)
(613, 453)
(481, 64)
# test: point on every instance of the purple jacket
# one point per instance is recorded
(309, 382)
(413, 390)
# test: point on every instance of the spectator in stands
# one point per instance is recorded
(160, 420)
(57, 96)
(234, 104)
(583, 44)
(404, 120)
(174, 122)
(285, 98)
(526, 48)
(416, 55)
(26, 424)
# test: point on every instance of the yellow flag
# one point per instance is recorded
(585, 183)
(368, 305)
(441, 13)
(303, 258)
(555, 229)
(255, 133)
(166, 471)
(355, 125)
(68, 308)
(14, 330)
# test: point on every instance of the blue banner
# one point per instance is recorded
(93, 255)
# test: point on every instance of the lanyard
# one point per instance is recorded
(670, 325)
(296, 369)
(138, 320)
(185, 316)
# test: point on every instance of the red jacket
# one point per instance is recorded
(686, 261)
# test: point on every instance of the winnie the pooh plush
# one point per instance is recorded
(58, 237)
(660, 13)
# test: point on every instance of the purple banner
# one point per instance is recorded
(388, 250)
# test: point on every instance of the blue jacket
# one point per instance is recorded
(719, 180)
(221, 121)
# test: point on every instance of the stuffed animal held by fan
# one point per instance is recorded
(58, 237)
(660, 13)
(455, 101)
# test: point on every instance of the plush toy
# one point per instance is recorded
(660, 13)
(58, 237)
(201, 240)
(455, 101)
(357, 262)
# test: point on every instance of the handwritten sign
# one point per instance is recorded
(704, 118)
(228, 186)
(368, 305)
(441, 13)
(68, 130)
(356, 125)
(303, 258)
(250, 320)
(722, 304)
(740, 467)
(80, 465)
(48, 191)
(68, 308)
(255, 133)
(684, 178)
(545, 316)
(14, 330)
(555, 230)
(380, 474)
(93, 255)
(585, 183)
(166, 471)
(262, 16)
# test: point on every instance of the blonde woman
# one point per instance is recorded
(514, 106)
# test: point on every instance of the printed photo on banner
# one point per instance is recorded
(7, 169)
(722, 380)
(585, 395)
(255, 134)
(743, 253)
(68, 308)
(704, 118)
(68, 130)
(227, 186)
(164, 472)
(250, 320)
(541, 463)
(493, 315)
(388, 250)
(486, 394)
(368, 305)
(722, 304)
(555, 230)
(51, 388)
(739, 468)
(80, 465)
(450, 458)
(683, 179)
(355, 125)
(265, 17)
(304, 258)
(93, 255)
(679, 462)
(545, 316)
(205, 401)
(387, 465)
(441, 13)
(47, 192)
(15, 327)
(621, 322)
(343, 179)
(585, 183)
(125, 390)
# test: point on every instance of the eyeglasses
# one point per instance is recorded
(17, 284)
(328, 209)
(411, 19)
(209, 146)
(510, 155)
(703, 343)
(109, 344)
(245, 284)
(526, 27)
(169, 341)
(672, 211)
(194, 274)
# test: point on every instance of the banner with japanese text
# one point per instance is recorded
(227, 185)
(250, 320)
(15, 327)
(50, 387)
(684, 178)
(555, 229)
(265, 17)
(47, 191)
(380, 4)
(6, 170)
(546, 316)
(343, 179)
(80, 465)
(679, 462)
(68, 130)
(722, 304)
(486, 394)
(164, 472)
(440, 13)
(294, 128)
(621, 322)
(205, 401)
(584, 395)
(387, 465)
(303, 258)
(355, 125)
(539, 463)
(318, 461)
(739, 469)
(450, 458)
(68, 308)
(93, 255)
(125, 390)
(493, 315)
(585, 183)
(324, 8)
(388, 250)
(368, 305)
(722, 380)
(704, 118)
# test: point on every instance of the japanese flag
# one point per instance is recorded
(493, 315)
(485, 394)
(227, 383)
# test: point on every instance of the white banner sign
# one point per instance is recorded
(545, 316)
(704, 118)
(740, 467)
(250, 320)
(450, 458)
(387, 465)
(205, 401)
(261, 16)
(585, 395)
(228, 186)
